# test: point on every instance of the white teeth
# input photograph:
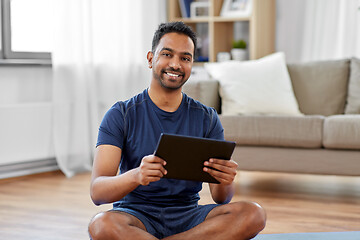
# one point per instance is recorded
(172, 75)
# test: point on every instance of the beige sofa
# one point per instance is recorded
(325, 140)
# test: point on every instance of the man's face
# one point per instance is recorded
(172, 60)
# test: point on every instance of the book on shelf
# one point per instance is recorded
(185, 8)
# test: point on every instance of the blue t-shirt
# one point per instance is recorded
(135, 126)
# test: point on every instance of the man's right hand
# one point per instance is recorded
(150, 170)
(108, 187)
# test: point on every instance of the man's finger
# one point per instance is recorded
(154, 159)
(222, 177)
(229, 163)
(155, 173)
(153, 167)
(222, 165)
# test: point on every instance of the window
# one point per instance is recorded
(26, 30)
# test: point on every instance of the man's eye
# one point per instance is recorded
(186, 59)
(166, 54)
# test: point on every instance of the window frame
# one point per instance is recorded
(1, 30)
(7, 55)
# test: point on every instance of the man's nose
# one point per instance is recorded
(175, 63)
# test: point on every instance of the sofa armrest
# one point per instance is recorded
(206, 92)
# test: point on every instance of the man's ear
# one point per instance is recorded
(150, 56)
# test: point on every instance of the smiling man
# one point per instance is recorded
(146, 205)
(174, 74)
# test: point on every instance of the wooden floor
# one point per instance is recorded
(50, 206)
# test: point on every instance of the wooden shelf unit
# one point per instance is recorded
(221, 29)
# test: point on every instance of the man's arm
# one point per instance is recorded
(107, 187)
(225, 173)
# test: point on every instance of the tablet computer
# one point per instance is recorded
(185, 156)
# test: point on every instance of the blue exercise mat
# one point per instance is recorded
(310, 236)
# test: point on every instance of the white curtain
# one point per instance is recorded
(99, 58)
(331, 29)
(310, 30)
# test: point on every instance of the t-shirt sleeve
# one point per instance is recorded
(111, 130)
(216, 130)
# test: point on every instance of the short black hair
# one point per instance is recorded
(177, 27)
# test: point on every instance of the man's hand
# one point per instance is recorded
(150, 170)
(223, 170)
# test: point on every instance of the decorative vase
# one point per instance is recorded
(223, 56)
(238, 54)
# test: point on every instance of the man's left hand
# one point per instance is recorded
(222, 170)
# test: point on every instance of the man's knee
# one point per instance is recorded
(252, 213)
(255, 212)
(98, 225)
(105, 224)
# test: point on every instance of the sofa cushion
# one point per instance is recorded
(353, 99)
(277, 131)
(320, 87)
(206, 92)
(261, 86)
(342, 132)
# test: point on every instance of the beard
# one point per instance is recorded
(168, 83)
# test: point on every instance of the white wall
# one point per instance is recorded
(25, 114)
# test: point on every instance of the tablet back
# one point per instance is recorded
(185, 156)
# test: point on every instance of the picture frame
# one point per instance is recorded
(199, 9)
(236, 8)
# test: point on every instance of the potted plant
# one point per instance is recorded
(238, 52)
